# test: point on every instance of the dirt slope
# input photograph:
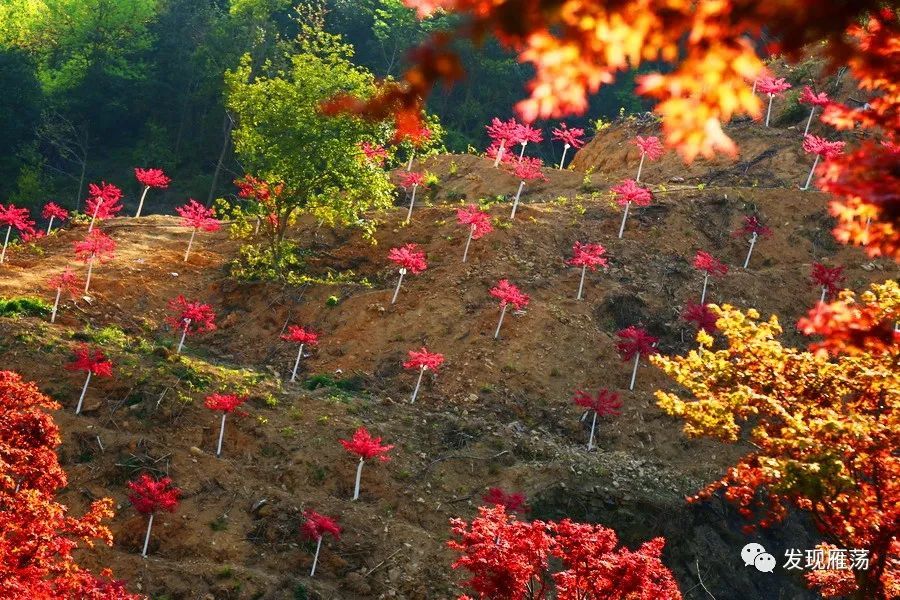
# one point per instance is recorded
(497, 413)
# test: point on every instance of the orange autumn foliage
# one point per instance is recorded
(37, 536)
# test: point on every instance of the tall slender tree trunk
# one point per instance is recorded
(226, 128)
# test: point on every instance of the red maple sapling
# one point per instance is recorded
(190, 317)
(829, 278)
(508, 294)
(755, 229)
(635, 342)
(103, 202)
(52, 211)
(503, 136)
(651, 148)
(413, 180)
(822, 148)
(198, 218)
(150, 178)
(772, 87)
(304, 337)
(710, 265)
(525, 170)
(808, 96)
(92, 363)
(513, 502)
(366, 447)
(478, 222)
(227, 403)
(587, 256)
(571, 138)
(410, 258)
(14, 218)
(423, 360)
(604, 404)
(150, 496)
(525, 133)
(314, 528)
(68, 281)
(701, 316)
(629, 192)
(96, 246)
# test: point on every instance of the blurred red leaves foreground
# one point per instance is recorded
(576, 46)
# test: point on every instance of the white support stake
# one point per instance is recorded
(637, 359)
(591, 439)
(358, 478)
(500, 153)
(55, 305)
(418, 383)
(581, 285)
(187, 324)
(399, 283)
(94, 216)
(190, 243)
(749, 252)
(811, 171)
(563, 159)
(87, 281)
(312, 571)
(640, 167)
(769, 110)
(5, 242)
(516, 201)
(703, 294)
(624, 218)
(411, 202)
(809, 121)
(297, 364)
(141, 203)
(83, 392)
(500, 322)
(221, 434)
(147, 537)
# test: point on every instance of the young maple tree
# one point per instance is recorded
(39, 535)
(772, 86)
(635, 342)
(68, 281)
(366, 447)
(525, 170)
(103, 202)
(511, 560)
(411, 259)
(814, 100)
(149, 496)
(95, 247)
(571, 138)
(524, 134)
(651, 148)
(92, 363)
(710, 265)
(828, 278)
(701, 316)
(423, 360)
(508, 295)
(503, 136)
(512, 502)
(587, 256)
(314, 528)
(52, 211)
(628, 192)
(821, 424)
(478, 222)
(14, 218)
(753, 227)
(149, 178)
(190, 317)
(822, 148)
(412, 180)
(604, 404)
(304, 337)
(198, 218)
(227, 403)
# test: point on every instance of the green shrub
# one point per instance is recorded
(23, 306)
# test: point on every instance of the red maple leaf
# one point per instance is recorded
(409, 257)
(95, 245)
(808, 96)
(707, 262)
(16, 218)
(828, 278)
(52, 210)
(94, 362)
(104, 199)
(227, 403)
(503, 131)
(605, 403)
(424, 358)
(191, 315)
(66, 280)
(149, 495)
(629, 191)
(479, 220)
(526, 133)
(813, 144)
(572, 137)
(299, 335)
(154, 178)
(527, 169)
(649, 146)
(772, 86)
(635, 340)
(508, 293)
(367, 447)
(316, 525)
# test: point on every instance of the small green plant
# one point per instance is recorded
(219, 524)
(23, 306)
(599, 125)
(332, 301)
(454, 168)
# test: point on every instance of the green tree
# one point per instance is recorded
(282, 138)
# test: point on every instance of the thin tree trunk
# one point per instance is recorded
(522, 153)
(750, 251)
(83, 392)
(468, 241)
(703, 294)
(500, 322)
(87, 282)
(297, 364)
(312, 571)
(221, 435)
(563, 159)
(809, 121)
(141, 203)
(5, 242)
(80, 184)
(190, 243)
(593, 425)
(500, 153)
(228, 124)
(516, 201)
(411, 202)
(824, 291)
(637, 359)
(147, 536)
(94, 216)
(55, 305)
(581, 284)
(418, 383)
(769, 110)
(399, 283)
(187, 324)
(358, 478)
(50, 225)
(624, 218)
(811, 171)
(640, 167)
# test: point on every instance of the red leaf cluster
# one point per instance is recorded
(417, 135)
(701, 316)
(507, 293)
(367, 447)
(852, 327)
(526, 133)
(17, 218)
(588, 255)
(510, 560)
(574, 137)
(828, 277)
(473, 217)
(630, 191)
(105, 199)
(772, 86)
(196, 216)
(649, 146)
(513, 502)
(814, 144)
(254, 188)
(96, 245)
(66, 281)
(29, 237)
(316, 525)
(605, 403)
(705, 261)
(94, 362)
(374, 153)
(411, 179)
(808, 96)
(54, 210)
(424, 358)
(527, 169)
(635, 340)
(199, 317)
(504, 131)
(299, 335)
(149, 495)
(752, 225)
(154, 178)
(224, 402)
(409, 257)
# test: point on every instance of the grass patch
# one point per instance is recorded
(24, 306)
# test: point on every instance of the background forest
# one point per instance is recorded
(93, 87)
